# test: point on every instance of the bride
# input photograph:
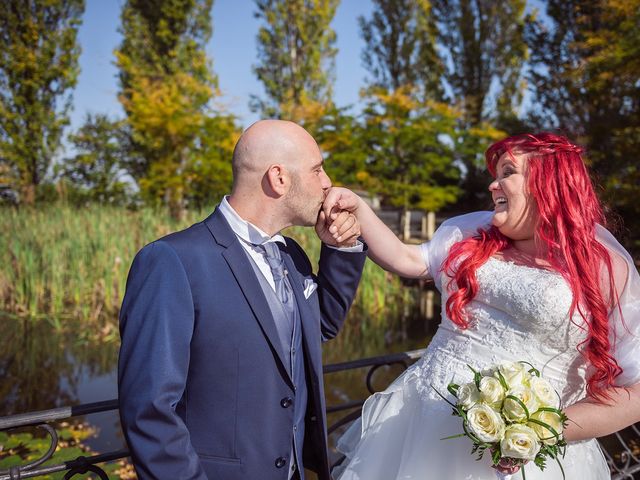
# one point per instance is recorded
(537, 279)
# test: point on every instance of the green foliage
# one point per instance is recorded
(20, 448)
(38, 68)
(296, 56)
(586, 78)
(62, 261)
(483, 41)
(97, 168)
(400, 47)
(409, 158)
(166, 91)
(407, 133)
(340, 137)
(483, 46)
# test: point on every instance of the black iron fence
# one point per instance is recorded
(622, 449)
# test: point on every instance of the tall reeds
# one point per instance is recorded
(58, 262)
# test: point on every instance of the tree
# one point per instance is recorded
(166, 90)
(38, 69)
(586, 77)
(97, 169)
(296, 57)
(400, 47)
(410, 159)
(407, 132)
(483, 47)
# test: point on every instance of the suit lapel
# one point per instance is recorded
(238, 262)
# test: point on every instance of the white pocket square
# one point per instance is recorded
(309, 287)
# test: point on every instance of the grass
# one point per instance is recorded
(59, 262)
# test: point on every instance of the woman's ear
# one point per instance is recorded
(278, 179)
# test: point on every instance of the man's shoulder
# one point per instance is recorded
(183, 242)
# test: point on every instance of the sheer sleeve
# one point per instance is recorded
(624, 322)
(450, 232)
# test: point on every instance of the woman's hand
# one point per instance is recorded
(385, 248)
(339, 199)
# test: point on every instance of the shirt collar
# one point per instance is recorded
(246, 231)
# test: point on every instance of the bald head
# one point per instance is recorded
(265, 143)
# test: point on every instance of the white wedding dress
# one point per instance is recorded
(520, 313)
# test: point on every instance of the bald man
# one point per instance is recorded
(220, 368)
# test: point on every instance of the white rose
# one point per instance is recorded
(545, 392)
(491, 391)
(520, 441)
(513, 372)
(512, 409)
(544, 434)
(486, 423)
(468, 395)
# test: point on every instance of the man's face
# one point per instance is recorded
(309, 186)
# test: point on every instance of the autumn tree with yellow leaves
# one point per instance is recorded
(38, 70)
(166, 89)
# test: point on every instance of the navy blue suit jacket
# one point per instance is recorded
(201, 373)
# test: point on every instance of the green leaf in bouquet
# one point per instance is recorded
(516, 399)
(503, 382)
(443, 397)
(540, 461)
(496, 454)
(453, 389)
(555, 434)
(533, 370)
(477, 376)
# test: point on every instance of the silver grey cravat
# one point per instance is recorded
(274, 259)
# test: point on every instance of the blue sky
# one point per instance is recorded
(232, 49)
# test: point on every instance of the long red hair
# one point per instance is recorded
(568, 211)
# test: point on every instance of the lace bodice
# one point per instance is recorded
(520, 313)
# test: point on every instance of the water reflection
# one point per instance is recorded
(45, 367)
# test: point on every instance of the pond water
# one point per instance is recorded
(43, 367)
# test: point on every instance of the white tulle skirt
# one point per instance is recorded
(399, 437)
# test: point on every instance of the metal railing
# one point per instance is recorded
(621, 449)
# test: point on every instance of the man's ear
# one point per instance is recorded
(278, 179)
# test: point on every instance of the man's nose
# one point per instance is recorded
(326, 181)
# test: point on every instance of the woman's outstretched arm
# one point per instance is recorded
(385, 248)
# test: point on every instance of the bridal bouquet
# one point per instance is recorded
(512, 412)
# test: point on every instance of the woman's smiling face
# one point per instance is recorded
(515, 211)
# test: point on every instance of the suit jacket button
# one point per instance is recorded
(286, 402)
(281, 462)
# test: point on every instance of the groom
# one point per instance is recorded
(220, 369)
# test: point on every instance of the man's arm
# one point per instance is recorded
(156, 325)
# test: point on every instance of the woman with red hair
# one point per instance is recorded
(538, 279)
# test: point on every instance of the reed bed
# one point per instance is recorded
(58, 262)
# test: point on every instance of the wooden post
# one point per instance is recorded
(406, 232)
(429, 305)
(431, 224)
